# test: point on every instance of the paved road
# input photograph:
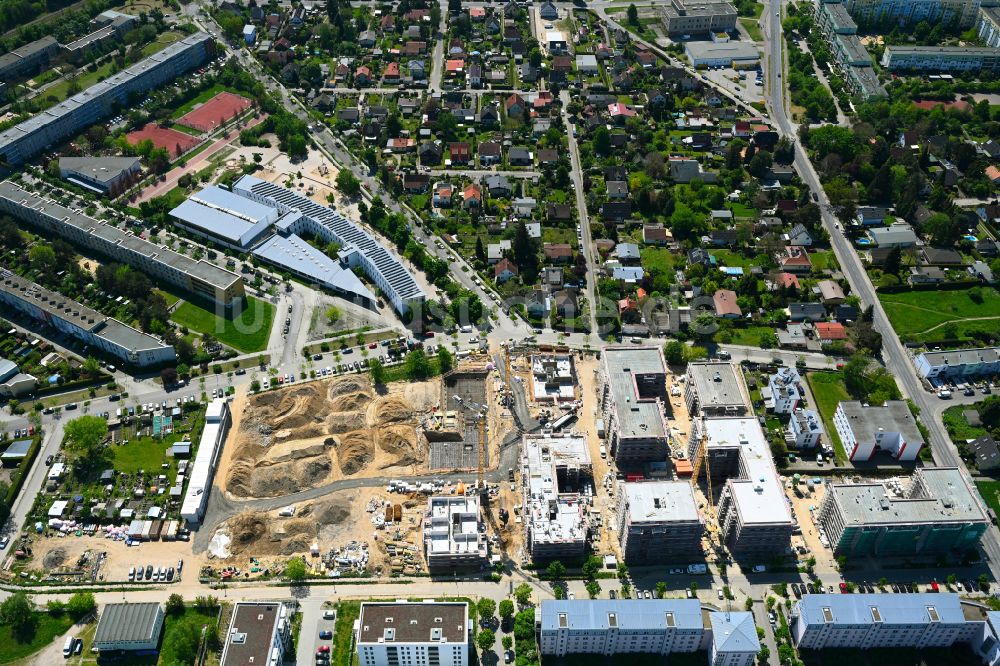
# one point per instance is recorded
(482, 173)
(576, 173)
(895, 357)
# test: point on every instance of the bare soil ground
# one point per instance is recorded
(62, 554)
(339, 522)
(310, 434)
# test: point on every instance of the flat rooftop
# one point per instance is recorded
(852, 46)
(202, 270)
(580, 615)
(728, 50)
(294, 253)
(718, 385)
(224, 214)
(414, 622)
(760, 496)
(868, 422)
(251, 633)
(127, 622)
(935, 495)
(452, 526)
(660, 502)
(552, 513)
(839, 16)
(638, 416)
(959, 51)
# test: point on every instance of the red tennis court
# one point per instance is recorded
(221, 108)
(176, 143)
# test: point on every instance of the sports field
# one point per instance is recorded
(176, 143)
(216, 111)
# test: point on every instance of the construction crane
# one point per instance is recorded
(700, 460)
(479, 414)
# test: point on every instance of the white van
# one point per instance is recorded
(68, 646)
(604, 451)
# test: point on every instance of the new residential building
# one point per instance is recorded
(102, 175)
(871, 12)
(716, 390)
(358, 248)
(805, 429)
(83, 323)
(785, 389)
(633, 395)
(413, 634)
(454, 534)
(199, 278)
(553, 378)
(610, 627)
(658, 521)
(225, 218)
(692, 17)
(259, 633)
(960, 365)
(941, 58)
(553, 469)
(867, 621)
(753, 511)
(936, 512)
(45, 130)
(867, 429)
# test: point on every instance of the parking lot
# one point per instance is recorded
(747, 88)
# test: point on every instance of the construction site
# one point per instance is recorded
(413, 440)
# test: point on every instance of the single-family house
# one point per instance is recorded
(558, 252)
(725, 304)
(472, 196)
(504, 270)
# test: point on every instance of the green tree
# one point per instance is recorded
(445, 359)
(507, 642)
(295, 570)
(506, 609)
(175, 604)
(556, 570)
(416, 365)
(81, 604)
(376, 371)
(485, 639)
(632, 14)
(42, 258)
(347, 183)
(673, 352)
(486, 608)
(18, 612)
(523, 594)
(83, 438)
(333, 314)
(591, 566)
(593, 588)
(661, 589)
(602, 141)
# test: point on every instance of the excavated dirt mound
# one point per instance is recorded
(390, 409)
(246, 529)
(401, 442)
(287, 477)
(287, 451)
(333, 512)
(54, 559)
(354, 451)
(337, 423)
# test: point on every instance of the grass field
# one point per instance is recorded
(192, 617)
(828, 390)
(752, 29)
(922, 314)
(749, 335)
(347, 613)
(248, 332)
(956, 425)
(61, 90)
(161, 42)
(49, 626)
(990, 490)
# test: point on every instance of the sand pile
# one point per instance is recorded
(390, 409)
(259, 534)
(354, 451)
(400, 442)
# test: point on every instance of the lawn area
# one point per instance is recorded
(956, 425)
(168, 297)
(742, 210)
(750, 25)
(201, 98)
(828, 390)
(990, 490)
(341, 652)
(49, 626)
(87, 79)
(730, 258)
(823, 260)
(914, 312)
(161, 42)
(748, 335)
(247, 331)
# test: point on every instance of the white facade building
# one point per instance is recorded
(785, 389)
(413, 634)
(867, 429)
(805, 429)
(734, 639)
(866, 621)
(213, 435)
